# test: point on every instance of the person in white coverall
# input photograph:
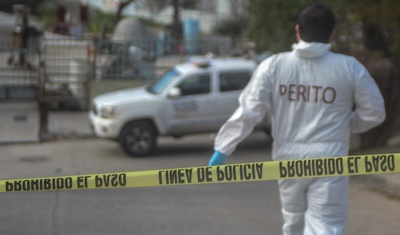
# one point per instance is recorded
(316, 98)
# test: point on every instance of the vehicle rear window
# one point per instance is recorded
(232, 81)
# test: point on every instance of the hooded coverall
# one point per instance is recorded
(315, 98)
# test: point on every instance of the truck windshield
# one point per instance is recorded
(159, 85)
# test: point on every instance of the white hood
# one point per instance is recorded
(123, 96)
(311, 49)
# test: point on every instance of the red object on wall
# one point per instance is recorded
(61, 12)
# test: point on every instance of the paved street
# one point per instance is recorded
(238, 208)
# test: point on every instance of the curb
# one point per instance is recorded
(54, 136)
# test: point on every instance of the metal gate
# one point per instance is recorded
(52, 74)
(19, 82)
(66, 70)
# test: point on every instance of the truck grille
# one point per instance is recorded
(94, 108)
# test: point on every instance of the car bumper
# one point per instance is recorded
(105, 128)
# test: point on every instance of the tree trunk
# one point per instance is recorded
(176, 22)
(374, 39)
(121, 6)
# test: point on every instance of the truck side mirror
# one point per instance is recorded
(174, 92)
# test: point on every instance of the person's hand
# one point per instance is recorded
(217, 158)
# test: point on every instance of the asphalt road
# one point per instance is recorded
(237, 208)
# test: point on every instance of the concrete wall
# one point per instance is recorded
(19, 122)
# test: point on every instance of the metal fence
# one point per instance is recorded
(140, 59)
(58, 70)
(19, 76)
(125, 60)
(67, 66)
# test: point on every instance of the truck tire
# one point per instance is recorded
(138, 139)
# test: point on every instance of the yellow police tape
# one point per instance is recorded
(257, 171)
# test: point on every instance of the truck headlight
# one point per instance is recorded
(107, 111)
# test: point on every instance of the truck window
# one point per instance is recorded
(195, 84)
(232, 81)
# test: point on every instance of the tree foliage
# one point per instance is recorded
(381, 25)
(272, 23)
(374, 24)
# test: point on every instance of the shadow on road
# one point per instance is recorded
(204, 146)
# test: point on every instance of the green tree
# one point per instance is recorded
(381, 25)
(272, 23)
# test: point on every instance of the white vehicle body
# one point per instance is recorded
(189, 99)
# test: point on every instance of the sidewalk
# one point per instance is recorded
(70, 125)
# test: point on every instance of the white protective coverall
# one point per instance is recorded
(316, 98)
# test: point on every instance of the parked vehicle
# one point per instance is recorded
(193, 97)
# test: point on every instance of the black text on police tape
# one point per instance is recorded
(336, 166)
(60, 183)
(242, 172)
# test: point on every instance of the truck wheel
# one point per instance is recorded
(138, 139)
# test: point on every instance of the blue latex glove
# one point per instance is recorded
(217, 158)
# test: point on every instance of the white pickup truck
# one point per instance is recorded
(193, 97)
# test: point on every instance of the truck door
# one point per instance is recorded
(230, 85)
(194, 106)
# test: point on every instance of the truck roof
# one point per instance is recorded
(197, 63)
